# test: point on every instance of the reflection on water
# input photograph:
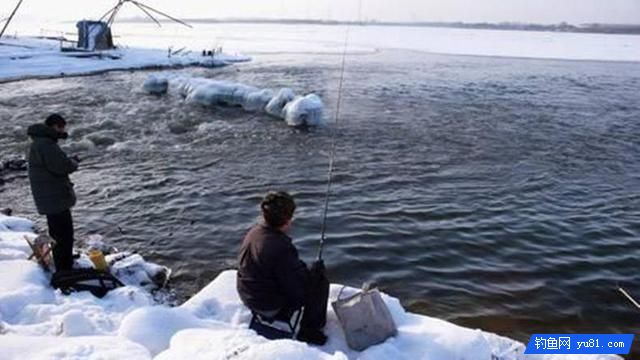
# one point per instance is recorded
(497, 193)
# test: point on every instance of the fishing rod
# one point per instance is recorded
(6, 24)
(333, 147)
(629, 297)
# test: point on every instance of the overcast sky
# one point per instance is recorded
(538, 11)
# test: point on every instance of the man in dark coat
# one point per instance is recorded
(272, 280)
(49, 169)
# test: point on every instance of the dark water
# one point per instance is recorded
(495, 193)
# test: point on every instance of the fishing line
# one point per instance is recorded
(333, 146)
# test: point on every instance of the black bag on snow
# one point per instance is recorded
(99, 283)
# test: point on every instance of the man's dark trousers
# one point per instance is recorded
(316, 298)
(315, 303)
(61, 230)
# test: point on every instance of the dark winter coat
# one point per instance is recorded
(271, 276)
(49, 169)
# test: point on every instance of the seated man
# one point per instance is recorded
(272, 280)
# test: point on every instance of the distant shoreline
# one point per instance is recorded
(618, 29)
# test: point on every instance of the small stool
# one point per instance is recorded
(41, 249)
(280, 326)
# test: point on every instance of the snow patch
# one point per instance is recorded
(76, 323)
(54, 348)
(234, 343)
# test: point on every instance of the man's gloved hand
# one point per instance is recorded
(317, 268)
(76, 158)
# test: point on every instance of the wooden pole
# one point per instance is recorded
(6, 24)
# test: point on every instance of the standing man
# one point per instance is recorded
(272, 280)
(49, 169)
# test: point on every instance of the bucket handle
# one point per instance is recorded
(366, 287)
(340, 292)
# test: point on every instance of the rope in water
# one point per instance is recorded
(333, 147)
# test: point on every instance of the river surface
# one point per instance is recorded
(497, 193)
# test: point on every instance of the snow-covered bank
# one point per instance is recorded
(37, 322)
(23, 57)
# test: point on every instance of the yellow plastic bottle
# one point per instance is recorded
(98, 260)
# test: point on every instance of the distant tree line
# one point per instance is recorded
(561, 27)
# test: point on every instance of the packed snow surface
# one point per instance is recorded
(37, 322)
(24, 57)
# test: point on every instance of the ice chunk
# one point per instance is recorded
(257, 100)
(304, 111)
(241, 93)
(156, 85)
(14, 223)
(276, 106)
(132, 269)
(210, 92)
(96, 242)
(297, 111)
(186, 87)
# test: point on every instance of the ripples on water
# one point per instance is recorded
(496, 193)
